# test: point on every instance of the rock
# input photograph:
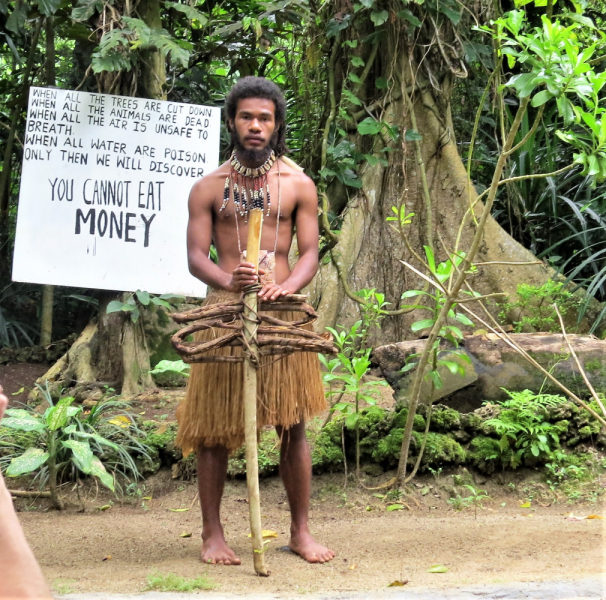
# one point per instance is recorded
(393, 357)
(495, 365)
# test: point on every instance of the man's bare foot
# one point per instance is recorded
(308, 549)
(215, 551)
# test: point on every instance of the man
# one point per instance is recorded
(290, 388)
(20, 575)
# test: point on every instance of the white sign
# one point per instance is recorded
(104, 189)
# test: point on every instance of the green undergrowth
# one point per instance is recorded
(170, 582)
(528, 430)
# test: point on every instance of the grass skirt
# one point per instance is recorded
(289, 390)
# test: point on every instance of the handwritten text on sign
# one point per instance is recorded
(104, 188)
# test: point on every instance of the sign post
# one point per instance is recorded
(104, 188)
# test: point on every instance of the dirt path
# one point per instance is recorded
(374, 547)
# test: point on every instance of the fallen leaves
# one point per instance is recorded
(178, 509)
(108, 557)
(267, 533)
(572, 517)
(398, 583)
(120, 421)
(525, 504)
(437, 569)
(185, 535)
(395, 507)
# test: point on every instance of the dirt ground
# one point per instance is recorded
(374, 546)
(18, 376)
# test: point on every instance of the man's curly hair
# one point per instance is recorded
(259, 87)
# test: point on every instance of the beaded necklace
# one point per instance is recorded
(250, 189)
(250, 186)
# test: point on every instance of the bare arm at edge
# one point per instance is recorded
(21, 575)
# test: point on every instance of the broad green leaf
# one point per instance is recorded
(58, 416)
(408, 16)
(411, 135)
(82, 455)
(98, 470)
(378, 17)
(17, 18)
(143, 297)
(48, 7)
(436, 379)
(19, 413)
(352, 419)
(171, 366)
(114, 306)
(411, 294)
(85, 9)
(381, 83)
(393, 507)
(352, 98)
(423, 324)
(461, 318)
(189, 11)
(540, 98)
(24, 424)
(369, 126)
(357, 61)
(367, 3)
(30, 460)
(160, 302)
(453, 367)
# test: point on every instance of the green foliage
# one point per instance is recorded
(440, 449)
(475, 499)
(64, 441)
(170, 582)
(442, 273)
(533, 309)
(171, 366)
(137, 299)
(351, 374)
(524, 427)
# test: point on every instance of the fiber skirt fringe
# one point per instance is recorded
(289, 390)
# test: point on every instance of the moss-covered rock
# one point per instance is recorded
(326, 455)
(387, 451)
(484, 453)
(444, 419)
(440, 450)
(401, 416)
(471, 423)
(268, 452)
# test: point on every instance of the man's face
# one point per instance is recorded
(254, 128)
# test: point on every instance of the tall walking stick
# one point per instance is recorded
(251, 363)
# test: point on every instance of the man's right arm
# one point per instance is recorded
(199, 238)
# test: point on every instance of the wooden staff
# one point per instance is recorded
(255, 222)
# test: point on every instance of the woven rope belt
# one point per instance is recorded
(273, 336)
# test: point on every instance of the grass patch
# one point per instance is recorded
(170, 582)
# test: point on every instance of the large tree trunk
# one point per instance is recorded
(368, 251)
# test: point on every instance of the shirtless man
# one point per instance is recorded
(255, 112)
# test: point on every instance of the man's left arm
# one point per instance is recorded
(308, 235)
